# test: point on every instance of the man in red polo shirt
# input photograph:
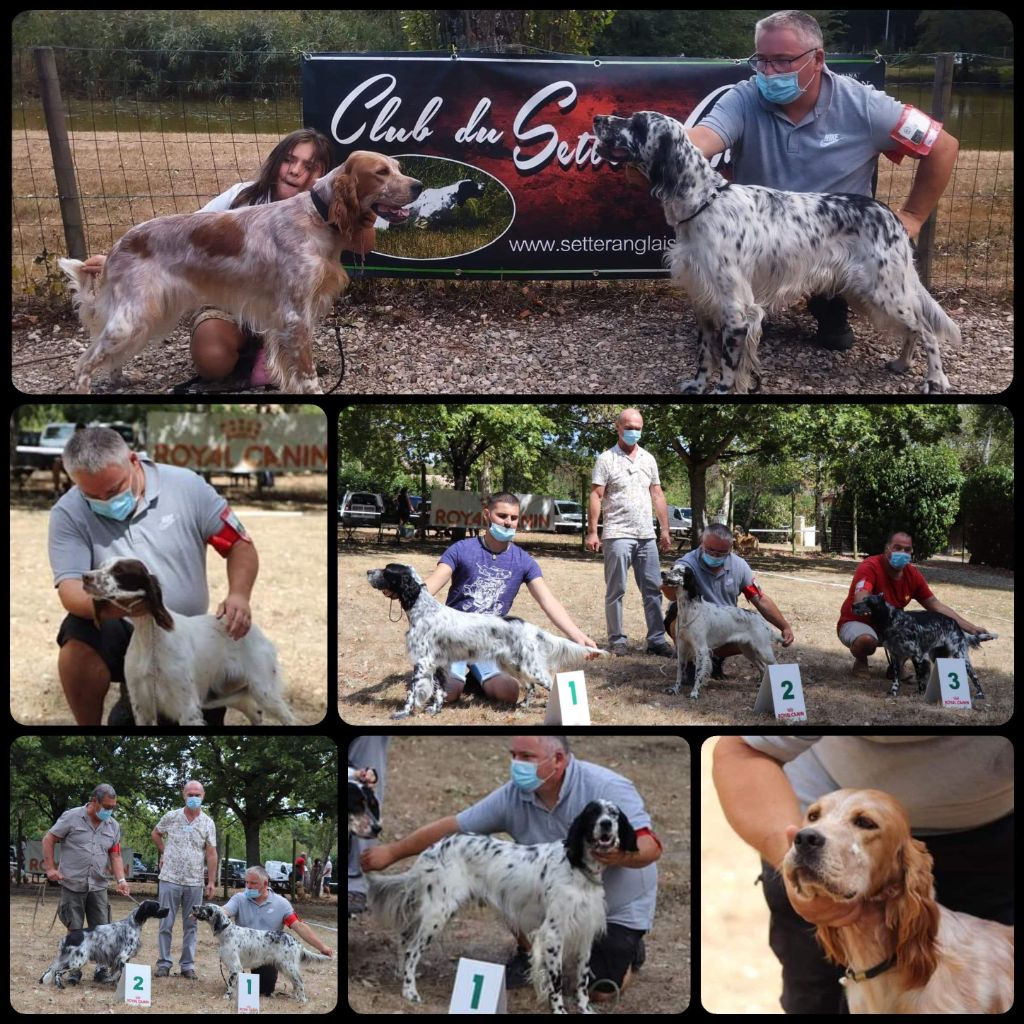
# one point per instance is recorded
(891, 575)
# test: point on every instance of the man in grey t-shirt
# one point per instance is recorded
(798, 126)
(547, 789)
(125, 506)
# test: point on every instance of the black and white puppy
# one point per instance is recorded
(742, 249)
(109, 945)
(552, 892)
(439, 636)
(920, 636)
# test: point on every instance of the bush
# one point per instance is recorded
(917, 490)
(986, 510)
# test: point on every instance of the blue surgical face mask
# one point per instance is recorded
(524, 776)
(193, 803)
(712, 561)
(631, 437)
(252, 894)
(782, 88)
(119, 507)
(899, 559)
(104, 815)
(502, 533)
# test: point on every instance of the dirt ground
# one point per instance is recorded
(374, 667)
(428, 779)
(738, 971)
(290, 607)
(33, 949)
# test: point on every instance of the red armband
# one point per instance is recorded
(291, 919)
(229, 534)
(754, 590)
(116, 848)
(648, 832)
(915, 134)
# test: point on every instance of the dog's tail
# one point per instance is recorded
(395, 899)
(748, 369)
(309, 954)
(563, 653)
(84, 292)
(977, 639)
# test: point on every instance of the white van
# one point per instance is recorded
(566, 516)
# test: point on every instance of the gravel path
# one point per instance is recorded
(474, 338)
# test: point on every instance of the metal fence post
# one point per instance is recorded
(60, 150)
(942, 88)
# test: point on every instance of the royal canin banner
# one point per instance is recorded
(504, 148)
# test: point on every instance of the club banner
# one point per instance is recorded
(504, 148)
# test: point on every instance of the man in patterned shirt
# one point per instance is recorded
(624, 485)
(183, 836)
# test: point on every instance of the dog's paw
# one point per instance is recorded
(399, 714)
(691, 387)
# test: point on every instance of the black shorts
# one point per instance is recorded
(110, 641)
(615, 952)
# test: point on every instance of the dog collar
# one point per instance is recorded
(871, 972)
(714, 195)
(321, 208)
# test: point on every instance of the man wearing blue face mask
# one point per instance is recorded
(258, 906)
(187, 841)
(124, 505)
(626, 494)
(722, 576)
(891, 575)
(486, 573)
(546, 789)
(90, 843)
(798, 126)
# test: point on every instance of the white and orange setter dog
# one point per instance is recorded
(275, 266)
(905, 953)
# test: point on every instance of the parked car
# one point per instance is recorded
(232, 872)
(680, 520)
(567, 516)
(361, 508)
(280, 873)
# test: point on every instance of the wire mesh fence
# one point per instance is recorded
(152, 133)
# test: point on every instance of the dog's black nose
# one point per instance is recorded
(808, 840)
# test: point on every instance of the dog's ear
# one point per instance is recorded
(98, 607)
(154, 601)
(627, 834)
(575, 841)
(344, 212)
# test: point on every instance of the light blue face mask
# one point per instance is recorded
(524, 776)
(502, 533)
(193, 803)
(712, 561)
(252, 894)
(104, 815)
(631, 437)
(782, 88)
(899, 559)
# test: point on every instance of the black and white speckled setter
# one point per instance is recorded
(742, 249)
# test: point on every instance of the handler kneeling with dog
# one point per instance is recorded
(722, 576)
(891, 575)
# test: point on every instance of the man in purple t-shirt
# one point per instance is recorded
(486, 573)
